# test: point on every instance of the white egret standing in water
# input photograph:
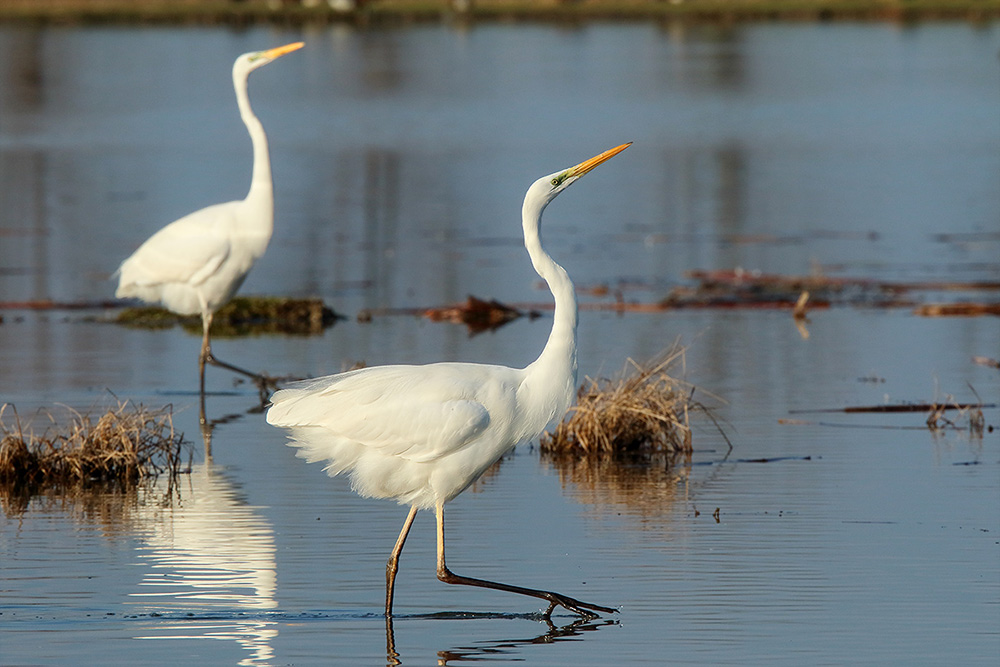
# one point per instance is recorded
(196, 264)
(422, 434)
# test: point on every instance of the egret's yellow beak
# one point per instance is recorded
(279, 51)
(584, 167)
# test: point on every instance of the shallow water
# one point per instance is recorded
(400, 157)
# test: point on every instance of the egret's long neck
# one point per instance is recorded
(260, 183)
(554, 371)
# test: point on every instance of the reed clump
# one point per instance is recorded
(126, 444)
(644, 411)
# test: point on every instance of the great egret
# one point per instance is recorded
(195, 264)
(422, 434)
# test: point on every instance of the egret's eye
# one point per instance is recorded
(556, 181)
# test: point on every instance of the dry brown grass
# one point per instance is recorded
(644, 411)
(124, 445)
(969, 416)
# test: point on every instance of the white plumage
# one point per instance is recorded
(416, 434)
(422, 434)
(196, 264)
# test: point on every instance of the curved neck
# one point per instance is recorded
(558, 358)
(260, 181)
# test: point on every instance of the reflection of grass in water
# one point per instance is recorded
(110, 506)
(242, 316)
(119, 448)
(645, 411)
(646, 486)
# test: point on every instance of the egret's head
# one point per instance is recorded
(546, 188)
(248, 62)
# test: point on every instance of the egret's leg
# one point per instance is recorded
(206, 348)
(392, 565)
(554, 599)
(262, 381)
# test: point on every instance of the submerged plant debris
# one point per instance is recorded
(963, 309)
(242, 316)
(477, 314)
(642, 413)
(124, 445)
(969, 416)
(754, 288)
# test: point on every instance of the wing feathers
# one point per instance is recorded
(417, 413)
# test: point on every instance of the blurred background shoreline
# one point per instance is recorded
(407, 11)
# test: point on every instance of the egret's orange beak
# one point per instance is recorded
(584, 167)
(279, 51)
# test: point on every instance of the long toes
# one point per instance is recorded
(578, 606)
(592, 606)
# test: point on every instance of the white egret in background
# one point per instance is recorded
(196, 264)
(422, 434)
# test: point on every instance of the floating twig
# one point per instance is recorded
(900, 407)
(986, 361)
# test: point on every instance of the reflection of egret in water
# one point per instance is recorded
(493, 649)
(211, 556)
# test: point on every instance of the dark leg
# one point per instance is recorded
(554, 599)
(206, 356)
(392, 565)
(206, 350)
(256, 377)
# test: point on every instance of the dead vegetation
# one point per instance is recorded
(746, 289)
(242, 316)
(119, 448)
(644, 412)
(989, 362)
(963, 309)
(725, 290)
(942, 415)
(970, 416)
(739, 288)
(476, 314)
